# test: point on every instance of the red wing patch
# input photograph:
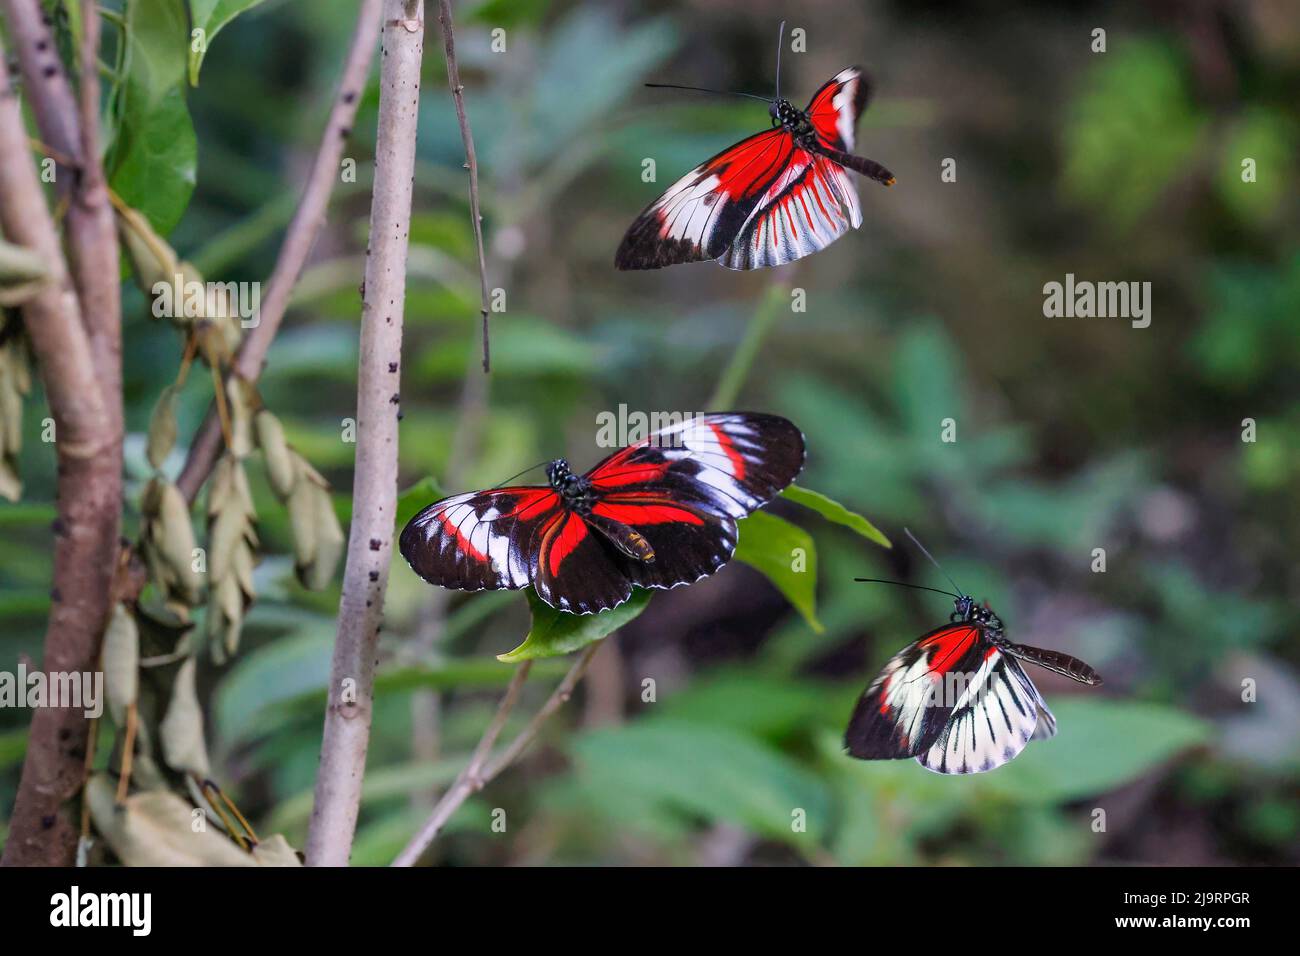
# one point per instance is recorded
(835, 108)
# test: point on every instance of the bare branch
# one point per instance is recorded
(471, 163)
(42, 828)
(374, 495)
(298, 240)
(479, 772)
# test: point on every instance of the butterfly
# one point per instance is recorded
(957, 699)
(775, 197)
(656, 514)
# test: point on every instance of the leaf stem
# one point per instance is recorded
(737, 370)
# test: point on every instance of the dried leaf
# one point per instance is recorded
(158, 828)
(175, 540)
(162, 427)
(302, 522)
(121, 662)
(280, 470)
(152, 260)
(330, 542)
(181, 730)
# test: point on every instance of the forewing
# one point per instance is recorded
(835, 108)
(905, 709)
(479, 540)
(700, 214)
(726, 463)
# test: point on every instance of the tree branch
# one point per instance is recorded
(42, 828)
(480, 771)
(374, 495)
(471, 163)
(298, 240)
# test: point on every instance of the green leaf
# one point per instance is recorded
(705, 771)
(833, 511)
(1100, 745)
(210, 16)
(557, 632)
(773, 546)
(151, 162)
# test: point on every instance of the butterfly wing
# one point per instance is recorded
(575, 570)
(905, 710)
(700, 214)
(835, 108)
(809, 206)
(480, 540)
(998, 713)
(684, 487)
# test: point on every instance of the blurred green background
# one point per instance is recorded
(1072, 433)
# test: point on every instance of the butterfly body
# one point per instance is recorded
(658, 513)
(774, 197)
(957, 699)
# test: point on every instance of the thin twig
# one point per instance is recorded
(43, 826)
(479, 772)
(298, 240)
(471, 164)
(374, 489)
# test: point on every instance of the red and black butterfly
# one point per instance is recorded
(656, 514)
(958, 700)
(775, 197)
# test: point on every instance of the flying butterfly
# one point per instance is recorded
(777, 196)
(957, 699)
(655, 514)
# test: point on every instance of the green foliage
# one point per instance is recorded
(153, 154)
(834, 511)
(210, 16)
(702, 771)
(1134, 131)
(556, 632)
(786, 556)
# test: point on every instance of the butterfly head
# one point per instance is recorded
(784, 113)
(965, 609)
(574, 489)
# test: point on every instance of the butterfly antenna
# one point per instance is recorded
(701, 89)
(959, 591)
(521, 474)
(780, 42)
(904, 584)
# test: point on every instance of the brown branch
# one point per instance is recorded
(298, 240)
(471, 164)
(480, 771)
(374, 491)
(43, 830)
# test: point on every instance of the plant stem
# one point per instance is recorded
(471, 164)
(480, 771)
(760, 323)
(76, 345)
(370, 540)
